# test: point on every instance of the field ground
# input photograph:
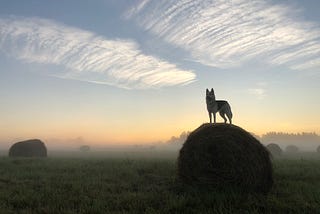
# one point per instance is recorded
(137, 183)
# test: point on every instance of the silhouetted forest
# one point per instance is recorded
(304, 140)
(178, 140)
(291, 137)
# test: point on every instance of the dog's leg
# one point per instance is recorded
(210, 116)
(214, 117)
(223, 116)
(229, 115)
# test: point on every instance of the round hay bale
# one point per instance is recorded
(292, 149)
(224, 156)
(84, 148)
(274, 149)
(28, 148)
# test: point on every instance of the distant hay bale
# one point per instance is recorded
(84, 148)
(292, 149)
(274, 149)
(28, 148)
(224, 156)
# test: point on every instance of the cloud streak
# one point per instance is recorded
(230, 33)
(260, 93)
(87, 56)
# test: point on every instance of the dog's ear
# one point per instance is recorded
(207, 91)
(212, 90)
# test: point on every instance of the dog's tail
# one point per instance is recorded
(229, 112)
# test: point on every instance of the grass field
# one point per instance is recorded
(144, 184)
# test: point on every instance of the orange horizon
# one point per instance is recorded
(101, 136)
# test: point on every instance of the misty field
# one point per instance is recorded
(144, 184)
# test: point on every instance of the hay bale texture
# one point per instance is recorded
(224, 156)
(274, 149)
(28, 148)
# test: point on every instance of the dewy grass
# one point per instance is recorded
(125, 185)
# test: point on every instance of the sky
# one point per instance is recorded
(136, 71)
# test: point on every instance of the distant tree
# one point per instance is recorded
(178, 140)
(85, 148)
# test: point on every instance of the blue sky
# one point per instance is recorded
(136, 71)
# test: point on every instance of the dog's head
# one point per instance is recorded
(210, 94)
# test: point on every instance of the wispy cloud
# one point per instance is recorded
(87, 56)
(260, 93)
(229, 33)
